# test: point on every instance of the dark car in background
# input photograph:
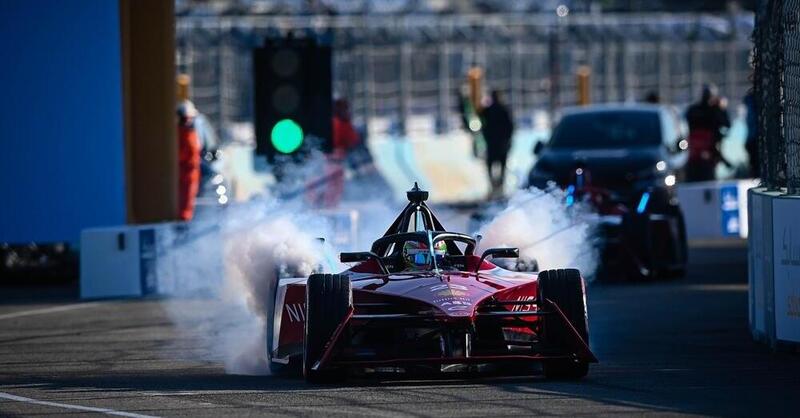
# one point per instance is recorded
(621, 159)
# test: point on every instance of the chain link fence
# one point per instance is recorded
(776, 85)
(395, 70)
(791, 65)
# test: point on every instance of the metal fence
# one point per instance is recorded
(776, 87)
(393, 68)
(791, 88)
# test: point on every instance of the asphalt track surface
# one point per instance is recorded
(666, 348)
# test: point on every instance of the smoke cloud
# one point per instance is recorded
(545, 229)
(218, 274)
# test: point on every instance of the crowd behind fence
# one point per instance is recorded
(396, 67)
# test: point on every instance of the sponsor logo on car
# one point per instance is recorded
(524, 308)
(451, 293)
(439, 287)
(296, 312)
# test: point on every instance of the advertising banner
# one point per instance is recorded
(786, 260)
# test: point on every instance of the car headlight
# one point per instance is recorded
(653, 171)
(669, 180)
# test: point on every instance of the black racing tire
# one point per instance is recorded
(675, 265)
(683, 249)
(565, 288)
(328, 298)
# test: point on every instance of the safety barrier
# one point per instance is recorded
(120, 261)
(774, 268)
(715, 210)
(142, 260)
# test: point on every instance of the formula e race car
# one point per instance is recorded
(421, 301)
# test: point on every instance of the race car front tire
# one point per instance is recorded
(565, 288)
(328, 298)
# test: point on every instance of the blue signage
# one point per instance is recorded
(147, 261)
(729, 210)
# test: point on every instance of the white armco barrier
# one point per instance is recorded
(715, 209)
(774, 268)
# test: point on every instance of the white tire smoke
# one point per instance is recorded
(546, 230)
(219, 275)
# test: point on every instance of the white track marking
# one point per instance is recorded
(47, 310)
(107, 411)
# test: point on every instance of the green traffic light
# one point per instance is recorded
(287, 136)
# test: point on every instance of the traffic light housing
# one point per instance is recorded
(293, 109)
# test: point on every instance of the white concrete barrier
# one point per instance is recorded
(142, 260)
(774, 268)
(167, 258)
(715, 209)
(118, 261)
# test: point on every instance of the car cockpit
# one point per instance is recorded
(417, 241)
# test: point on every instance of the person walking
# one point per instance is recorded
(498, 127)
(708, 121)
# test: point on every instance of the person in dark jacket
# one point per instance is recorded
(708, 121)
(498, 127)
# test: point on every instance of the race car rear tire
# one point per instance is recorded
(328, 298)
(564, 288)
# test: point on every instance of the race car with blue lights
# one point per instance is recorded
(422, 301)
(621, 159)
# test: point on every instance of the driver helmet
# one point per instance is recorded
(417, 255)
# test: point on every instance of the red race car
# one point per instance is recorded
(422, 301)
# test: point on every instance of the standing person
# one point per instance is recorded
(345, 136)
(498, 127)
(344, 139)
(707, 120)
(652, 97)
(751, 143)
(188, 160)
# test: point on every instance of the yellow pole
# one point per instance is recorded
(584, 85)
(183, 81)
(475, 77)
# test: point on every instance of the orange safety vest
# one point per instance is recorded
(188, 170)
